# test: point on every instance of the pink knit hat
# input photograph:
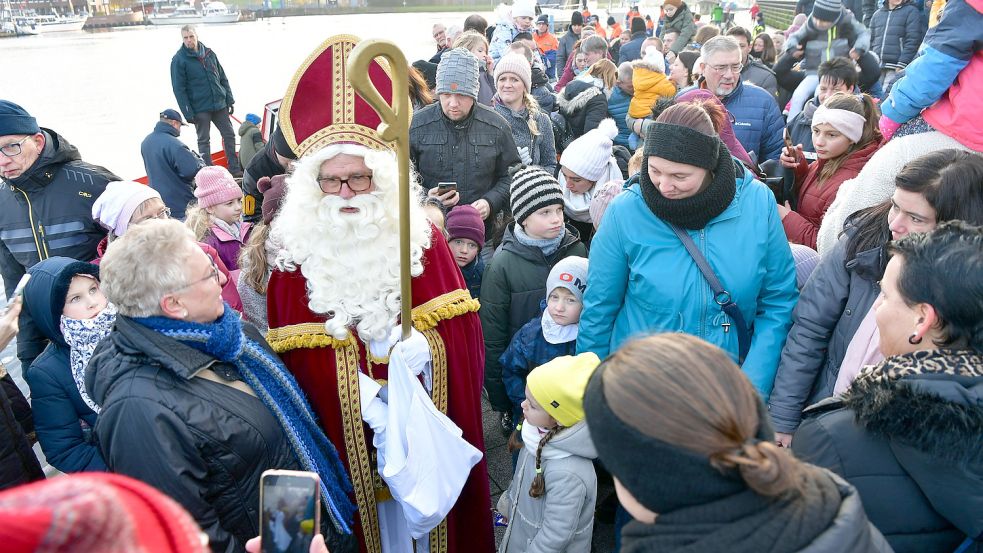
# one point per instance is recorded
(215, 185)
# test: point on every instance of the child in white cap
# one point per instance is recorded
(584, 164)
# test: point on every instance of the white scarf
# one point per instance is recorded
(82, 335)
(531, 436)
(556, 333)
(577, 205)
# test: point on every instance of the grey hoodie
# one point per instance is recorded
(563, 518)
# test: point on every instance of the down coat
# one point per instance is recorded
(758, 122)
(218, 439)
(896, 34)
(583, 105)
(910, 443)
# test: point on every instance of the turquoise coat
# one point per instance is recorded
(642, 281)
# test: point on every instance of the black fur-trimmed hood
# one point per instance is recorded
(938, 412)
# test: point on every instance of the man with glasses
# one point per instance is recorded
(757, 120)
(333, 304)
(171, 166)
(47, 193)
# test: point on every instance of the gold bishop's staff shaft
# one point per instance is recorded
(395, 128)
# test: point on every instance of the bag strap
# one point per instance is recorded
(720, 294)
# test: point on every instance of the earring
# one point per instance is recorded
(914, 339)
(184, 314)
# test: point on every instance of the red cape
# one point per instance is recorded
(326, 369)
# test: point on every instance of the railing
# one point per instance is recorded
(778, 13)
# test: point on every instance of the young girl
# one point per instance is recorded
(586, 163)
(551, 335)
(478, 45)
(466, 237)
(845, 134)
(68, 307)
(217, 219)
(257, 256)
(550, 503)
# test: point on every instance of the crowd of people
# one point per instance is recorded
(739, 274)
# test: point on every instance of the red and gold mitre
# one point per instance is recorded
(320, 106)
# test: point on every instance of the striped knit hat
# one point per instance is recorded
(532, 190)
(827, 10)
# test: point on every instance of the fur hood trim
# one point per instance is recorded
(572, 105)
(939, 414)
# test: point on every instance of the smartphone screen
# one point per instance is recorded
(445, 187)
(289, 512)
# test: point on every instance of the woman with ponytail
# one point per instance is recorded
(686, 438)
(531, 128)
(845, 135)
(550, 504)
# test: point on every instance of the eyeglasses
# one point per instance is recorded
(164, 213)
(736, 68)
(14, 148)
(214, 273)
(356, 183)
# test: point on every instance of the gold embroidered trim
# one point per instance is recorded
(438, 536)
(442, 308)
(358, 454)
(304, 336)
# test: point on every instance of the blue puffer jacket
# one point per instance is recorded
(618, 110)
(758, 122)
(528, 350)
(896, 34)
(59, 412)
(642, 280)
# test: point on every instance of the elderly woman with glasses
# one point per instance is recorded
(127, 203)
(194, 401)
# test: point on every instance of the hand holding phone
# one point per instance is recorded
(290, 510)
(445, 187)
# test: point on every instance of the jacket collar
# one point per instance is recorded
(164, 127)
(131, 337)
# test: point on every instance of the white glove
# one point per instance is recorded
(525, 155)
(374, 409)
(415, 352)
(380, 348)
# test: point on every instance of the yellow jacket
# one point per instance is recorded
(649, 85)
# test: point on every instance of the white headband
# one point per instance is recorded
(845, 121)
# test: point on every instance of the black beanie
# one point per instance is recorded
(682, 145)
(280, 145)
(428, 71)
(577, 19)
(637, 25)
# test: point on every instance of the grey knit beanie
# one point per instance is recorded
(457, 73)
(827, 10)
(532, 190)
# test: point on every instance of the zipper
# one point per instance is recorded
(887, 25)
(38, 242)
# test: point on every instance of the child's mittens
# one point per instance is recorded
(888, 127)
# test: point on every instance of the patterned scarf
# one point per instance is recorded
(275, 386)
(82, 336)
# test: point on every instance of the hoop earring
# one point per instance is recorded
(914, 339)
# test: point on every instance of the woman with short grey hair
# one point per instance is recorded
(194, 401)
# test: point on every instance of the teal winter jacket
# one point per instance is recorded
(642, 280)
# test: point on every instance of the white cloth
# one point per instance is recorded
(556, 333)
(394, 534)
(424, 459)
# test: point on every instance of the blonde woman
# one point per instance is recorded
(531, 128)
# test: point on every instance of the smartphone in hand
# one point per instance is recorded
(445, 187)
(290, 510)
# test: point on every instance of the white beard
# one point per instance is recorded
(350, 260)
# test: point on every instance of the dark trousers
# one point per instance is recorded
(203, 125)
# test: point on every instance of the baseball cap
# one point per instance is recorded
(173, 115)
(543, 19)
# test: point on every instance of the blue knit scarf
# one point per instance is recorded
(275, 386)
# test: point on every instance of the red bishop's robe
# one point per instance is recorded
(327, 370)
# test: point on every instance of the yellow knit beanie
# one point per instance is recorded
(559, 385)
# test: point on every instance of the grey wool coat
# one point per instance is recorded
(563, 518)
